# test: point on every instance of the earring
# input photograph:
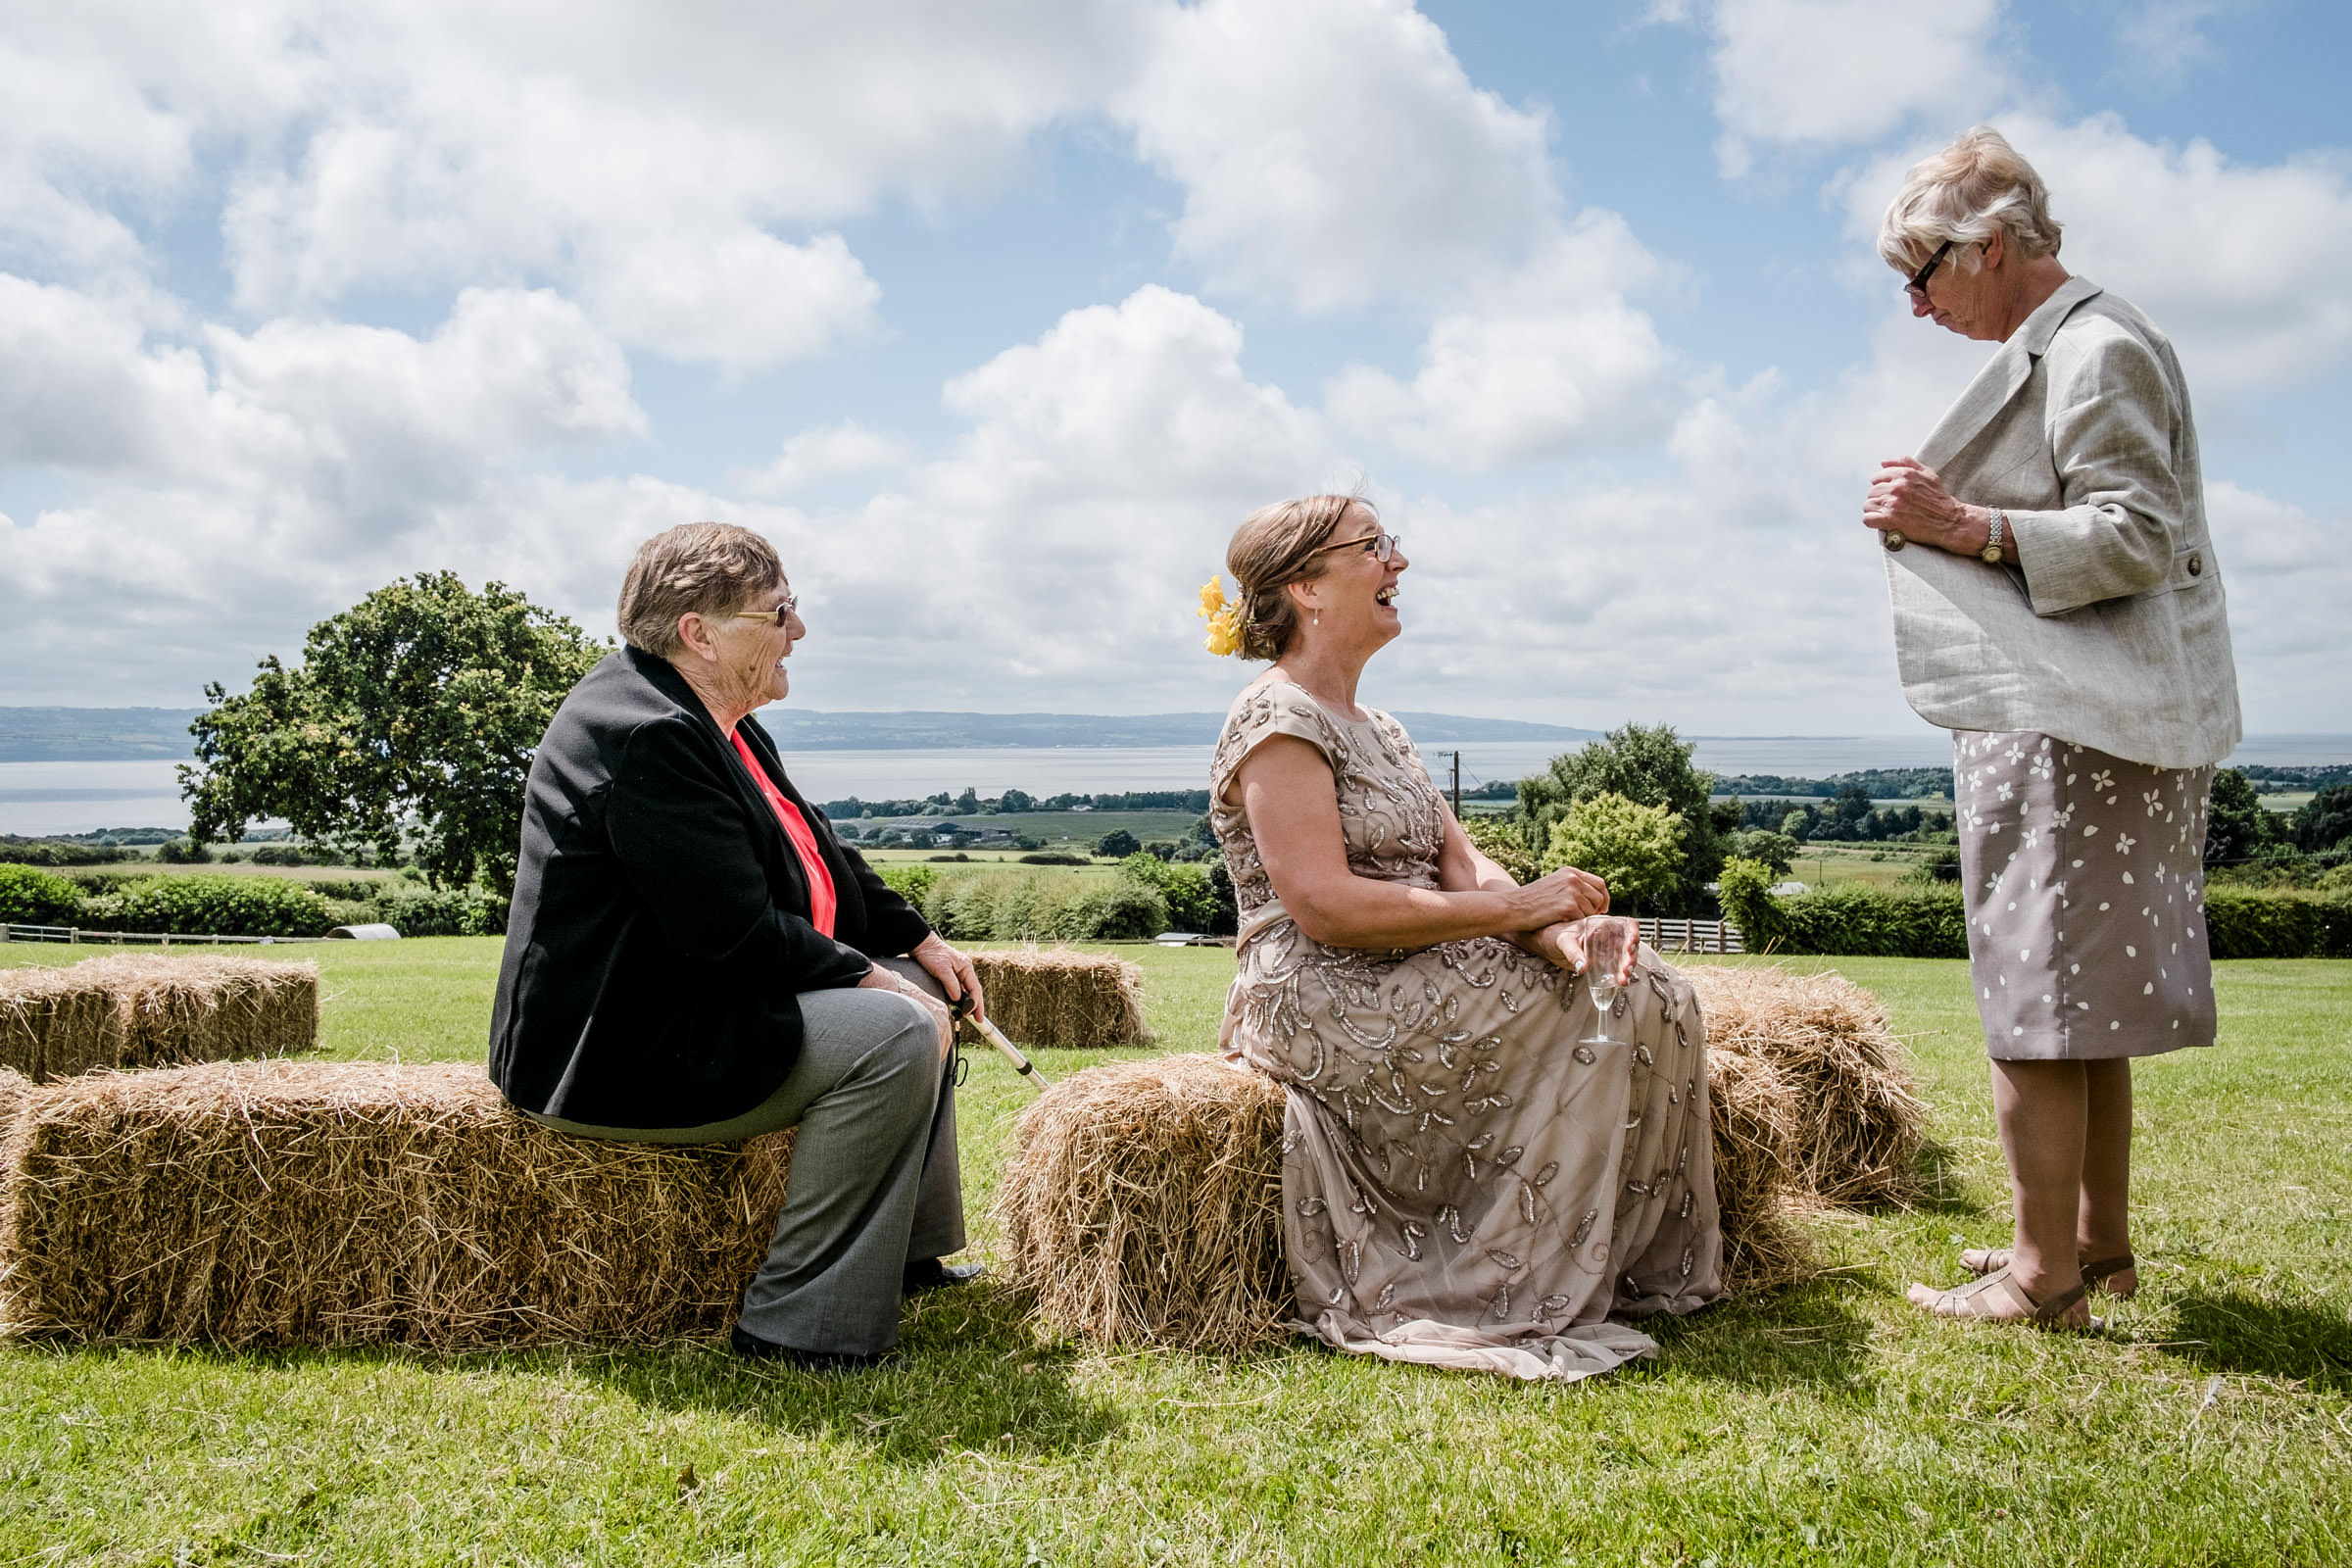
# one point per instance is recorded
(1318, 617)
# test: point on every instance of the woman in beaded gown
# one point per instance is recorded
(1468, 1179)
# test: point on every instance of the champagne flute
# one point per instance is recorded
(1607, 947)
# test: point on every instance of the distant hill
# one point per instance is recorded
(134, 734)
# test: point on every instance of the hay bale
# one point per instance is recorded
(332, 1203)
(1754, 1111)
(1144, 1204)
(151, 1011)
(1862, 1120)
(1056, 996)
(1144, 1200)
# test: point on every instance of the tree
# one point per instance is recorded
(1636, 849)
(1650, 765)
(1499, 840)
(2237, 825)
(412, 713)
(1777, 851)
(1118, 842)
(2326, 820)
(1016, 800)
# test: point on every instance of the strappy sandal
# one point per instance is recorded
(1984, 1260)
(1977, 1302)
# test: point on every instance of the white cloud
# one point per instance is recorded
(1333, 152)
(2289, 581)
(675, 173)
(2159, 40)
(1826, 72)
(830, 452)
(2237, 262)
(239, 490)
(1550, 361)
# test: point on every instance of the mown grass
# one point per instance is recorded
(1830, 1423)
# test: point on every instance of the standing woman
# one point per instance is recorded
(2058, 607)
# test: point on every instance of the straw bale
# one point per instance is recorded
(1057, 997)
(1754, 1110)
(1144, 1204)
(1862, 1119)
(250, 1204)
(14, 1086)
(1144, 1200)
(151, 1011)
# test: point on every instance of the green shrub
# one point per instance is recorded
(1051, 858)
(1046, 906)
(2243, 923)
(913, 883)
(212, 905)
(1914, 924)
(353, 890)
(440, 913)
(1636, 849)
(1121, 910)
(1502, 839)
(179, 852)
(1748, 905)
(37, 898)
(1194, 898)
(42, 852)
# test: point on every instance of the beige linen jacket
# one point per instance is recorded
(2111, 631)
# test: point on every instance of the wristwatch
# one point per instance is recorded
(1990, 555)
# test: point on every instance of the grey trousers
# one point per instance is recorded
(874, 1184)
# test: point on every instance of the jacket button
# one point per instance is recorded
(2196, 565)
(1893, 540)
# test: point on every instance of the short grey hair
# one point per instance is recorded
(1977, 185)
(706, 568)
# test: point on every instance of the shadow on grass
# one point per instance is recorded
(1806, 1334)
(969, 1375)
(2232, 1331)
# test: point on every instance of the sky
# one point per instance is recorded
(998, 318)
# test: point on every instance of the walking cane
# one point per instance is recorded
(962, 1011)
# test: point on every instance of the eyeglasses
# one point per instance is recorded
(1381, 546)
(776, 616)
(1917, 286)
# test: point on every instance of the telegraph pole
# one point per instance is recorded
(1457, 785)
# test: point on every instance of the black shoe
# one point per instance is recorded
(752, 1347)
(929, 1274)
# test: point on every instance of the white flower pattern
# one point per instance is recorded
(2099, 977)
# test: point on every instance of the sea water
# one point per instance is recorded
(38, 798)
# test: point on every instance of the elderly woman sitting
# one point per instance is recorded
(693, 956)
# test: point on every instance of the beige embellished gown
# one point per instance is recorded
(1466, 1182)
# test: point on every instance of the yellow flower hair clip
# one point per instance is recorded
(1224, 618)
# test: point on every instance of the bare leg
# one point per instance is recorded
(2104, 1225)
(2044, 1109)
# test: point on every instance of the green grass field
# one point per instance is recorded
(1828, 1423)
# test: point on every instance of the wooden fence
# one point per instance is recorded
(1691, 936)
(63, 933)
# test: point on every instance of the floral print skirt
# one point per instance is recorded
(2083, 876)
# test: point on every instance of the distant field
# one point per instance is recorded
(1055, 826)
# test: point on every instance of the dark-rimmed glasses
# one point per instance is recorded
(1917, 288)
(776, 616)
(1381, 546)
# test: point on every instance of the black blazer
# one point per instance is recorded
(660, 939)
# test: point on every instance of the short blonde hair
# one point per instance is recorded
(706, 568)
(1278, 545)
(1964, 193)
